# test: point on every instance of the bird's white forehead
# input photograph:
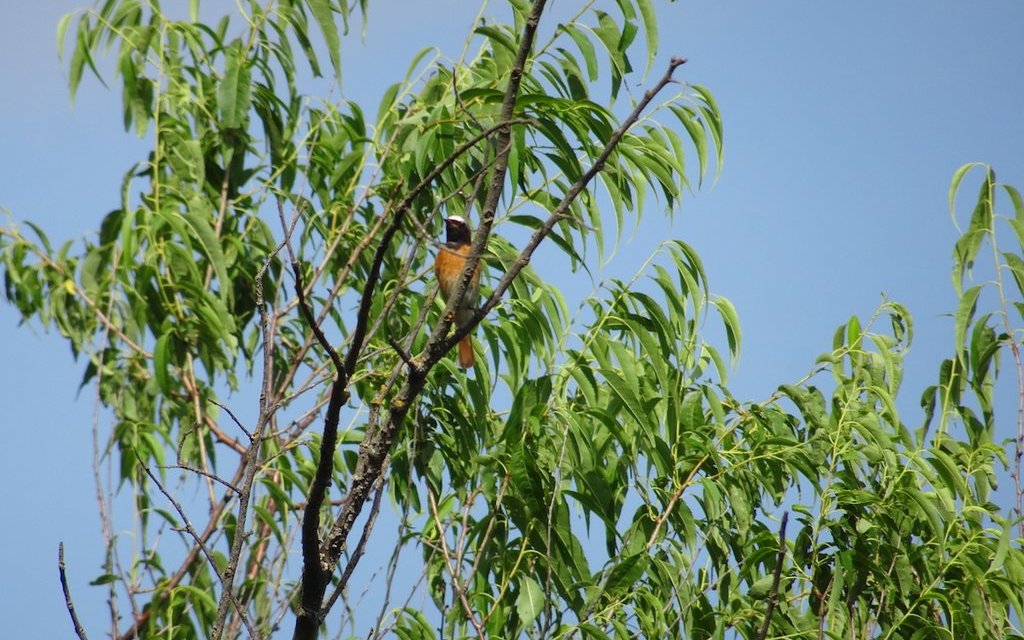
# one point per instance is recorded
(457, 219)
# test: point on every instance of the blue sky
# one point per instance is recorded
(844, 123)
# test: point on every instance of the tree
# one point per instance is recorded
(592, 476)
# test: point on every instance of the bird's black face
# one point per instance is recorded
(457, 231)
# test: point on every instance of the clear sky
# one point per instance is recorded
(844, 123)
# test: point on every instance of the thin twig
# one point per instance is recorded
(773, 595)
(490, 525)
(234, 419)
(300, 293)
(202, 546)
(256, 561)
(402, 353)
(460, 592)
(250, 462)
(389, 577)
(186, 565)
(224, 438)
(188, 379)
(357, 553)
(79, 629)
(211, 476)
(106, 519)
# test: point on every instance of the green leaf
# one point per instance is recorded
(200, 598)
(626, 572)
(324, 16)
(77, 64)
(234, 90)
(984, 345)
(62, 29)
(530, 601)
(1016, 200)
(927, 509)
(650, 29)
(160, 362)
(609, 35)
(964, 313)
(695, 128)
(954, 186)
(1002, 548)
(43, 239)
(586, 48)
(498, 38)
(948, 472)
(966, 248)
(732, 326)
(713, 119)
(208, 240)
(1016, 266)
(106, 578)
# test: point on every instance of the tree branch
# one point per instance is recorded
(318, 564)
(221, 575)
(773, 595)
(79, 629)
(357, 553)
(457, 587)
(375, 447)
(190, 558)
(559, 211)
(205, 474)
(300, 293)
(250, 462)
(233, 419)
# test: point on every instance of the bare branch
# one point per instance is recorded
(190, 558)
(250, 462)
(300, 293)
(222, 576)
(79, 629)
(453, 570)
(207, 474)
(232, 416)
(402, 353)
(224, 438)
(357, 553)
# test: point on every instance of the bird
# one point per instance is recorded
(451, 259)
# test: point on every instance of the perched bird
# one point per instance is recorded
(451, 259)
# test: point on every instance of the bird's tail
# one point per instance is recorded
(462, 318)
(466, 358)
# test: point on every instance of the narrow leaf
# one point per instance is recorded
(325, 19)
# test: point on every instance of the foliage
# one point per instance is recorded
(592, 476)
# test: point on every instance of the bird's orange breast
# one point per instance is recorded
(449, 264)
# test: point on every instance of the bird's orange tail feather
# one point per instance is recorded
(466, 359)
